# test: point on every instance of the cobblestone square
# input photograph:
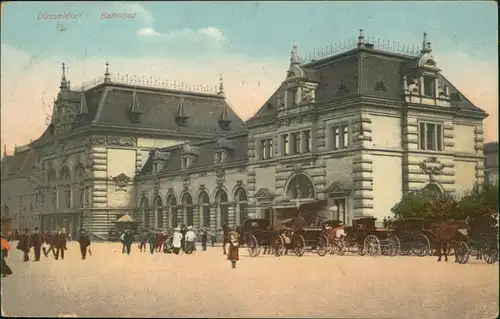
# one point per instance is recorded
(110, 284)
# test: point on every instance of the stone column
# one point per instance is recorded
(232, 215)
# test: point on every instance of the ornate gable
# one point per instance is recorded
(264, 193)
(336, 188)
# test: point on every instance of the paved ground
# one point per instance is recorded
(110, 284)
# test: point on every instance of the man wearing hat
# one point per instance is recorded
(24, 244)
(84, 240)
(36, 242)
(190, 240)
(60, 244)
(177, 240)
(204, 239)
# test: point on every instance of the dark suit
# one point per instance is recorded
(24, 245)
(36, 243)
(84, 241)
(60, 245)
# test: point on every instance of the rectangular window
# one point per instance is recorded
(430, 136)
(270, 147)
(297, 145)
(54, 198)
(285, 145)
(307, 141)
(81, 198)
(429, 86)
(68, 196)
(218, 158)
(336, 137)
(345, 136)
(262, 149)
(185, 162)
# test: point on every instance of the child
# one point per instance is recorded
(234, 245)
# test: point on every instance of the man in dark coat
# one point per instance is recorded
(60, 244)
(36, 242)
(151, 241)
(128, 239)
(84, 241)
(299, 222)
(25, 244)
(49, 240)
(204, 239)
(183, 240)
(225, 237)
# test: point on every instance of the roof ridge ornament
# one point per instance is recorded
(361, 39)
(83, 103)
(221, 87)
(426, 45)
(64, 82)
(294, 56)
(107, 76)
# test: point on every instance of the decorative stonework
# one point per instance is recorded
(432, 167)
(185, 181)
(121, 181)
(114, 140)
(219, 173)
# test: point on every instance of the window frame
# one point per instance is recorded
(438, 137)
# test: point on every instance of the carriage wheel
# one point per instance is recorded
(253, 246)
(371, 245)
(490, 255)
(461, 252)
(393, 241)
(322, 246)
(299, 245)
(278, 245)
(424, 245)
(340, 247)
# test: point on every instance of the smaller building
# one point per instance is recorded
(491, 163)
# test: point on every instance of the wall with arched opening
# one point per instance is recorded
(299, 186)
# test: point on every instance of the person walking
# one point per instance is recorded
(204, 239)
(128, 239)
(151, 241)
(24, 245)
(36, 242)
(225, 237)
(60, 244)
(190, 238)
(233, 254)
(183, 241)
(122, 240)
(84, 240)
(49, 240)
(177, 240)
(143, 239)
(5, 269)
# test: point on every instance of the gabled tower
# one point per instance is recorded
(135, 110)
(181, 117)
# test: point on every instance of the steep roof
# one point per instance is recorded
(491, 147)
(361, 71)
(206, 151)
(20, 163)
(159, 109)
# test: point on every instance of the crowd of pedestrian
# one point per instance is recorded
(50, 243)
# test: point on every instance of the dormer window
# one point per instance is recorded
(157, 167)
(135, 118)
(220, 157)
(429, 86)
(185, 162)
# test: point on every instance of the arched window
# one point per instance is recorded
(79, 172)
(144, 208)
(51, 176)
(187, 203)
(241, 200)
(222, 207)
(204, 202)
(432, 191)
(158, 211)
(65, 175)
(172, 207)
(300, 186)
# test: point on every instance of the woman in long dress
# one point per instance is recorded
(177, 240)
(233, 252)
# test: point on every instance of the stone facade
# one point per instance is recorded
(491, 162)
(358, 129)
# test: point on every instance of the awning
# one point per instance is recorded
(125, 219)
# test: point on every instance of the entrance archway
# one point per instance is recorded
(300, 186)
(144, 209)
(187, 203)
(172, 207)
(204, 202)
(222, 207)
(158, 211)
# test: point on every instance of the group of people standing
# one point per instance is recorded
(180, 239)
(54, 242)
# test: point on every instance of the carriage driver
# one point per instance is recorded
(299, 222)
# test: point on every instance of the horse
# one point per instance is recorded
(444, 233)
(335, 237)
(484, 224)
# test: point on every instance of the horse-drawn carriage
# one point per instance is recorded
(364, 238)
(412, 236)
(255, 234)
(306, 238)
